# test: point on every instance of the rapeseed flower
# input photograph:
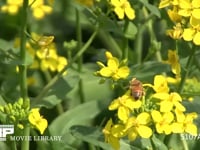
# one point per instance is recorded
(109, 137)
(124, 105)
(138, 126)
(37, 120)
(189, 8)
(122, 8)
(160, 84)
(173, 60)
(185, 124)
(38, 7)
(192, 33)
(113, 69)
(168, 101)
(86, 2)
(163, 121)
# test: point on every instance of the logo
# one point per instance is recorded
(5, 130)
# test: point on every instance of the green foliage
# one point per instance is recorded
(73, 99)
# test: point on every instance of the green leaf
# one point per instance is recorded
(5, 45)
(92, 135)
(159, 145)
(153, 9)
(83, 114)
(108, 25)
(58, 91)
(131, 31)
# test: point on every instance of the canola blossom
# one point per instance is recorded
(185, 14)
(114, 69)
(123, 8)
(161, 112)
(37, 120)
(38, 7)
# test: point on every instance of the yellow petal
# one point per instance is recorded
(144, 131)
(166, 106)
(143, 118)
(191, 129)
(196, 13)
(132, 134)
(130, 13)
(164, 3)
(114, 105)
(196, 39)
(120, 12)
(177, 128)
(156, 116)
(106, 72)
(113, 63)
(188, 34)
(123, 113)
(118, 130)
(123, 72)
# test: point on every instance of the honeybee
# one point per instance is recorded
(136, 88)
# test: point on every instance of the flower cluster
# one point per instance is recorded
(159, 112)
(114, 69)
(38, 7)
(37, 121)
(19, 113)
(44, 53)
(185, 15)
(173, 60)
(122, 8)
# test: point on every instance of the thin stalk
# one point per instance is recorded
(13, 145)
(54, 79)
(80, 59)
(23, 67)
(138, 43)
(25, 143)
(183, 79)
(125, 42)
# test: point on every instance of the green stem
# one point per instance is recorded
(13, 145)
(138, 43)
(125, 42)
(25, 143)
(111, 44)
(80, 59)
(183, 79)
(54, 79)
(23, 67)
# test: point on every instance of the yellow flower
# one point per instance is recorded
(86, 2)
(39, 8)
(165, 3)
(193, 32)
(185, 124)
(163, 121)
(168, 101)
(12, 7)
(125, 105)
(160, 84)
(189, 8)
(122, 8)
(173, 60)
(175, 33)
(113, 68)
(138, 126)
(37, 121)
(109, 137)
(173, 14)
